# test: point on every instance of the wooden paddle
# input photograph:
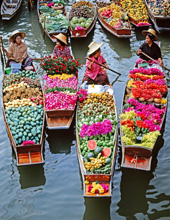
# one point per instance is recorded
(102, 65)
(154, 60)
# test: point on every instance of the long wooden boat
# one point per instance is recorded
(51, 34)
(133, 155)
(9, 8)
(96, 175)
(160, 21)
(29, 154)
(84, 32)
(118, 32)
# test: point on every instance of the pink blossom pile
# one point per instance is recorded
(69, 83)
(59, 100)
(99, 128)
(143, 24)
(79, 28)
(151, 114)
(82, 94)
(28, 142)
(158, 81)
(149, 71)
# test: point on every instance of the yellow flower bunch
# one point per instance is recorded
(64, 76)
(128, 115)
(97, 186)
(130, 82)
(163, 101)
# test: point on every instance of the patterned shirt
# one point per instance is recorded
(17, 51)
(65, 52)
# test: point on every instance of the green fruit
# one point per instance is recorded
(97, 150)
(89, 155)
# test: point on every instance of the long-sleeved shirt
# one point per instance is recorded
(17, 52)
(95, 68)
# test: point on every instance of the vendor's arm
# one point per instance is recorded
(139, 51)
(89, 63)
(105, 64)
(160, 61)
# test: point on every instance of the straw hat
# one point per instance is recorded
(14, 33)
(150, 31)
(61, 37)
(93, 47)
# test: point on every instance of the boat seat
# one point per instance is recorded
(11, 5)
(12, 1)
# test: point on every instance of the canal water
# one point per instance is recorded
(54, 190)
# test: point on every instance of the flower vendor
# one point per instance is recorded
(17, 51)
(61, 48)
(94, 73)
(150, 48)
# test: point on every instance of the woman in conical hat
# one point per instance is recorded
(61, 48)
(17, 51)
(94, 73)
(150, 48)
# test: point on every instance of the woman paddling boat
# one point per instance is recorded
(150, 48)
(17, 51)
(94, 73)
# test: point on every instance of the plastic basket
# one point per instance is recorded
(16, 66)
(8, 70)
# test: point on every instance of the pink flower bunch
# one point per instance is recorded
(96, 128)
(69, 83)
(50, 4)
(28, 142)
(82, 94)
(143, 24)
(59, 100)
(158, 81)
(149, 71)
(149, 113)
(79, 28)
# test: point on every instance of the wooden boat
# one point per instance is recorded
(120, 33)
(161, 22)
(31, 154)
(139, 157)
(83, 33)
(9, 8)
(52, 34)
(88, 177)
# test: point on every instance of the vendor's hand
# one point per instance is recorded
(106, 66)
(161, 63)
(139, 52)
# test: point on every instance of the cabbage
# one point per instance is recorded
(75, 20)
(82, 19)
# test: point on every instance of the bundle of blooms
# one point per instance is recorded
(142, 24)
(99, 128)
(146, 94)
(98, 188)
(143, 77)
(61, 85)
(141, 120)
(28, 142)
(148, 71)
(82, 94)
(60, 100)
(149, 84)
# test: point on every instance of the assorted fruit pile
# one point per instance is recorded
(23, 102)
(60, 91)
(55, 20)
(114, 15)
(97, 124)
(81, 15)
(136, 10)
(145, 107)
(159, 7)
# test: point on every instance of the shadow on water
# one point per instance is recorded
(133, 187)
(98, 207)
(80, 47)
(120, 45)
(31, 176)
(60, 141)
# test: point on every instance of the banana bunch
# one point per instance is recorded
(95, 162)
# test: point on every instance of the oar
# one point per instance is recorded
(154, 60)
(103, 66)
